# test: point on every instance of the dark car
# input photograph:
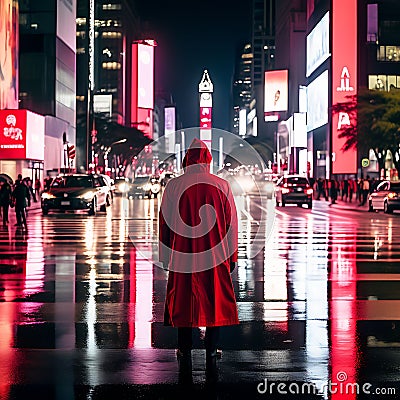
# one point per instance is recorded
(385, 197)
(144, 187)
(293, 189)
(77, 192)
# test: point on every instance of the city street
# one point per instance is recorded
(82, 306)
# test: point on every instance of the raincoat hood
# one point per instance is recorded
(199, 155)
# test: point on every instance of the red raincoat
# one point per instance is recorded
(198, 241)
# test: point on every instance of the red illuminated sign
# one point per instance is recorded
(12, 134)
(142, 96)
(344, 80)
(205, 117)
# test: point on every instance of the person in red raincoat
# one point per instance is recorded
(198, 233)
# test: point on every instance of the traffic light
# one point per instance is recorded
(71, 151)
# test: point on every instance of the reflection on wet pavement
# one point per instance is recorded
(81, 307)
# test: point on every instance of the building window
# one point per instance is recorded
(384, 82)
(111, 6)
(111, 65)
(111, 35)
(372, 23)
(388, 53)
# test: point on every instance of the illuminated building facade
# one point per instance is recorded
(347, 45)
(242, 88)
(115, 27)
(46, 77)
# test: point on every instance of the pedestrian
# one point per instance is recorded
(351, 184)
(365, 190)
(20, 197)
(326, 189)
(38, 186)
(5, 201)
(198, 233)
(320, 188)
(47, 183)
(333, 191)
(345, 189)
(28, 183)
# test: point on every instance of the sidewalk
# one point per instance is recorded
(353, 206)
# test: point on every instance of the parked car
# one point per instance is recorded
(293, 189)
(77, 192)
(385, 197)
(110, 183)
(145, 187)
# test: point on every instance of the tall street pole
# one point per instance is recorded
(206, 89)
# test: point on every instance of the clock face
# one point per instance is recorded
(205, 96)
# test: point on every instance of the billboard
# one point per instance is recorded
(21, 135)
(145, 76)
(9, 54)
(66, 22)
(169, 129)
(276, 91)
(317, 102)
(344, 80)
(102, 103)
(318, 45)
(142, 93)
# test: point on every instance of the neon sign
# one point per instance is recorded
(344, 80)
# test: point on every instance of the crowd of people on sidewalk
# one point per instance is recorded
(347, 189)
(18, 196)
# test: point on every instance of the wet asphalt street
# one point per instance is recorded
(81, 307)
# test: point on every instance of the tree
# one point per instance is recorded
(377, 127)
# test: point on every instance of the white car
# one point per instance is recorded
(385, 197)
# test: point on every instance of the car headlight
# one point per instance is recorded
(123, 187)
(155, 188)
(309, 191)
(285, 190)
(86, 196)
(48, 196)
(147, 187)
(392, 195)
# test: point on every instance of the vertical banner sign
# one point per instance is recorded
(344, 80)
(142, 90)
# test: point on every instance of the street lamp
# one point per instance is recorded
(108, 149)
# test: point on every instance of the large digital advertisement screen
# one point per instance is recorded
(318, 45)
(142, 96)
(317, 102)
(9, 54)
(276, 91)
(145, 76)
(344, 80)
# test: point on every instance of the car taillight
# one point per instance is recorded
(309, 191)
(285, 190)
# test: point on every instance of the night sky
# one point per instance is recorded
(192, 36)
